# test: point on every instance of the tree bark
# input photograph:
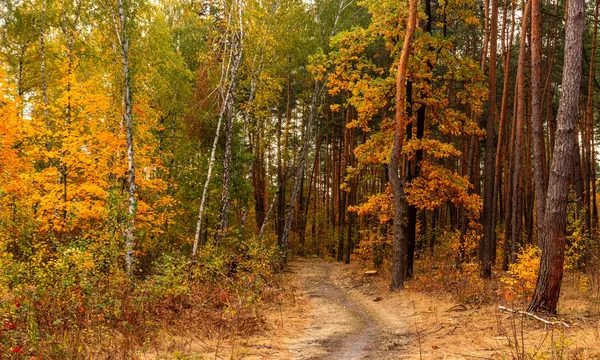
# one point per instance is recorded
(516, 220)
(351, 198)
(589, 164)
(313, 177)
(342, 193)
(536, 115)
(400, 204)
(487, 249)
(128, 122)
(547, 291)
(229, 101)
(228, 76)
(502, 128)
(43, 67)
(312, 114)
(224, 206)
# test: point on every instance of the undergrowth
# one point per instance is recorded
(76, 302)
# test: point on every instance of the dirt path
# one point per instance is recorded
(329, 310)
(343, 323)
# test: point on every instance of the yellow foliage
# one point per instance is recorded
(519, 281)
(380, 205)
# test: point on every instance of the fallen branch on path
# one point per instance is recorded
(471, 356)
(534, 316)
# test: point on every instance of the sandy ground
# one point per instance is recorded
(328, 318)
(342, 314)
(335, 311)
(343, 323)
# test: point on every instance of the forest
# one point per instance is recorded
(190, 179)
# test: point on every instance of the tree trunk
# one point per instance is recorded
(351, 198)
(313, 177)
(228, 81)
(128, 122)
(589, 131)
(43, 67)
(280, 185)
(547, 290)
(487, 249)
(229, 102)
(400, 204)
(224, 206)
(502, 129)
(312, 114)
(259, 186)
(536, 115)
(342, 193)
(518, 146)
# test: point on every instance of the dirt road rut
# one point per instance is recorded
(344, 323)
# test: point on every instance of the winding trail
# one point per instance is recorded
(343, 323)
(329, 310)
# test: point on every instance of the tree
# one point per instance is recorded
(124, 11)
(518, 129)
(400, 205)
(237, 50)
(547, 290)
(536, 115)
(487, 245)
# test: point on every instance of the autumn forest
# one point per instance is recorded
(189, 171)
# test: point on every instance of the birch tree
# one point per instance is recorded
(123, 8)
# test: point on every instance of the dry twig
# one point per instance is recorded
(531, 315)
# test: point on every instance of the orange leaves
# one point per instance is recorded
(58, 170)
(380, 205)
(449, 84)
(376, 150)
(433, 147)
(437, 185)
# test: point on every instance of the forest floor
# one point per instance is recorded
(336, 311)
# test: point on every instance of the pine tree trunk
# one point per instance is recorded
(502, 129)
(400, 247)
(487, 249)
(589, 163)
(516, 219)
(536, 115)
(313, 177)
(547, 291)
(351, 198)
(341, 193)
(259, 186)
(508, 166)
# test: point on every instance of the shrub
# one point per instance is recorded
(519, 281)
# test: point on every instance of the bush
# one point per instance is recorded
(76, 301)
(519, 281)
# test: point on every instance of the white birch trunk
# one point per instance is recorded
(128, 121)
(228, 82)
(300, 169)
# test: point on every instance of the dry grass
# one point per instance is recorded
(455, 315)
(235, 331)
